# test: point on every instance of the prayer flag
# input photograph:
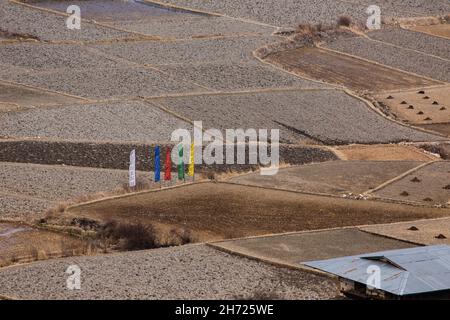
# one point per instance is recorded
(168, 166)
(180, 162)
(157, 164)
(132, 170)
(191, 161)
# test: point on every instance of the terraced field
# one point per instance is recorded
(171, 273)
(342, 118)
(394, 56)
(420, 107)
(215, 211)
(149, 19)
(291, 12)
(441, 30)
(344, 70)
(408, 39)
(125, 121)
(337, 177)
(27, 97)
(28, 190)
(429, 185)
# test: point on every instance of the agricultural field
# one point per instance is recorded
(337, 177)
(440, 30)
(429, 184)
(425, 232)
(25, 97)
(29, 190)
(362, 156)
(295, 116)
(420, 107)
(225, 276)
(125, 121)
(383, 153)
(344, 70)
(20, 243)
(413, 40)
(223, 212)
(294, 248)
(416, 62)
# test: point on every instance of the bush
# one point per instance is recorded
(140, 186)
(344, 21)
(85, 223)
(180, 236)
(311, 30)
(130, 236)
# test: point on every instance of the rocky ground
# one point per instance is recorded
(31, 189)
(174, 273)
(393, 56)
(74, 103)
(413, 40)
(329, 116)
(291, 12)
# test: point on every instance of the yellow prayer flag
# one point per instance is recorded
(191, 161)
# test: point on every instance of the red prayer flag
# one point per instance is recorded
(168, 166)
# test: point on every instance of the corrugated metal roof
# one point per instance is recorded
(402, 272)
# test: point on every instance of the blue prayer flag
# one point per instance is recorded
(157, 164)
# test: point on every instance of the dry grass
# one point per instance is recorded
(124, 236)
(20, 36)
(57, 211)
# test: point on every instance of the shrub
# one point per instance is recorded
(85, 223)
(344, 21)
(140, 186)
(180, 236)
(130, 236)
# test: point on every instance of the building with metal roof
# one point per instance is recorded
(414, 273)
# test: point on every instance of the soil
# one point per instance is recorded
(222, 210)
(21, 243)
(188, 272)
(337, 177)
(427, 106)
(24, 96)
(382, 153)
(442, 30)
(428, 190)
(344, 70)
(426, 233)
(443, 128)
(295, 248)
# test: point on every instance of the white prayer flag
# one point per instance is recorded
(132, 171)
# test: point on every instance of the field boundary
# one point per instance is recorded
(381, 113)
(409, 28)
(18, 84)
(407, 49)
(271, 262)
(93, 22)
(380, 64)
(128, 195)
(399, 177)
(301, 76)
(210, 13)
